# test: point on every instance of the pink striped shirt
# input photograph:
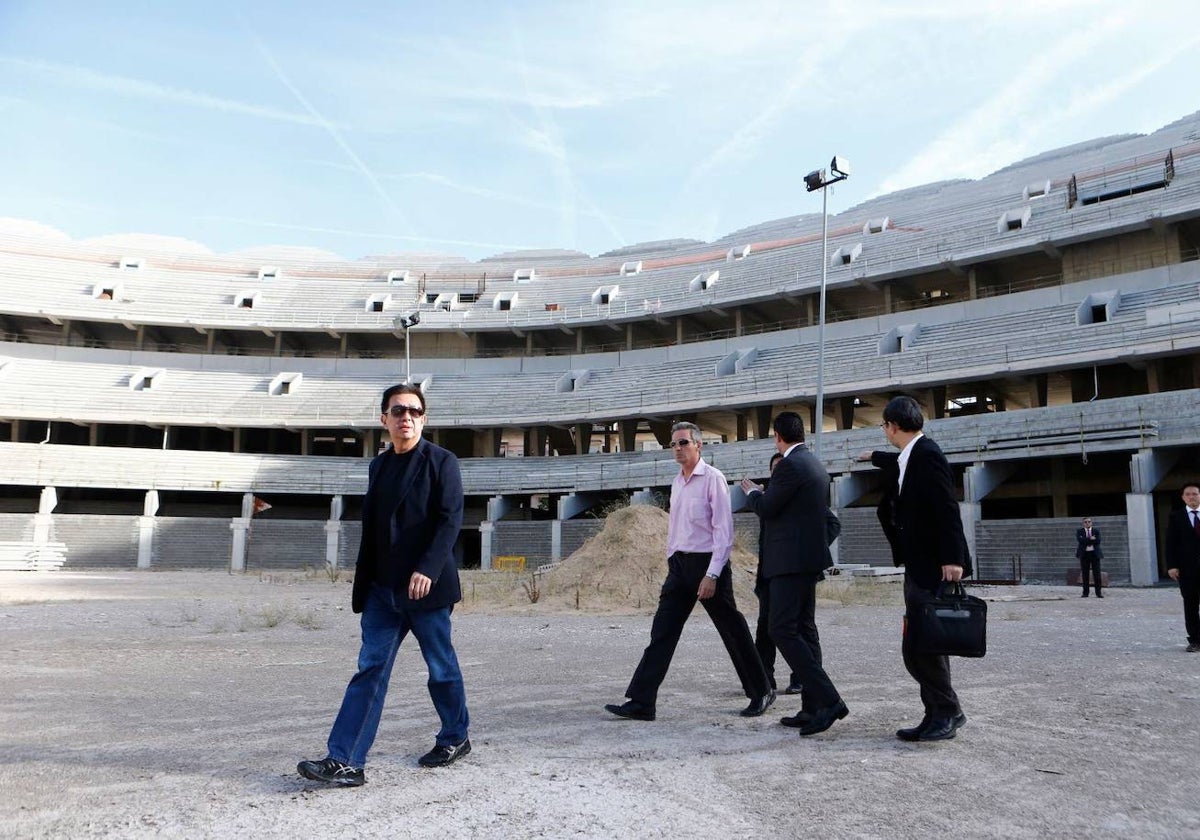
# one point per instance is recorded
(701, 515)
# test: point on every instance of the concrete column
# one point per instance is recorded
(486, 529)
(743, 426)
(498, 507)
(333, 531)
(1143, 541)
(1058, 488)
(762, 422)
(645, 496)
(210, 341)
(579, 340)
(739, 323)
(306, 441)
(556, 541)
(237, 439)
(93, 434)
(627, 434)
(970, 514)
(48, 500)
(583, 438)
(629, 335)
(146, 524)
(679, 330)
(240, 525)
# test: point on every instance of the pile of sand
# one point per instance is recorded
(623, 567)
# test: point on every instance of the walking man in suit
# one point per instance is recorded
(795, 554)
(762, 633)
(406, 580)
(699, 542)
(921, 520)
(1183, 560)
(1089, 554)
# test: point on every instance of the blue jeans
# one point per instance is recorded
(384, 627)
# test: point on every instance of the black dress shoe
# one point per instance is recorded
(942, 729)
(822, 719)
(794, 688)
(798, 720)
(758, 706)
(1099, 595)
(1084, 595)
(913, 733)
(631, 709)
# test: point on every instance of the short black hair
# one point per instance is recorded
(789, 427)
(905, 413)
(774, 458)
(403, 388)
(1188, 484)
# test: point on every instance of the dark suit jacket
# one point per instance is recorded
(793, 512)
(424, 528)
(922, 521)
(1183, 546)
(1081, 544)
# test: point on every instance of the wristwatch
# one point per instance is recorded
(711, 576)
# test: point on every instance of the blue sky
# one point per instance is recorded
(475, 128)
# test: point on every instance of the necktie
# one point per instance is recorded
(1196, 522)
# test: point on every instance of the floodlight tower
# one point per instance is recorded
(406, 323)
(819, 180)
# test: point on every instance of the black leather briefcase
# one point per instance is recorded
(952, 623)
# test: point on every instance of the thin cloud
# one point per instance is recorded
(329, 128)
(152, 91)
(366, 234)
(1005, 126)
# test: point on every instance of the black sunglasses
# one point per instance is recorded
(399, 411)
(679, 444)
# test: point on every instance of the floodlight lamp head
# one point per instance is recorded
(814, 180)
(410, 320)
(840, 166)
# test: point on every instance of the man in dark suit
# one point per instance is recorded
(1089, 554)
(406, 580)
(795, 554)
(1183, 560)
(762, 633)
(921, 520)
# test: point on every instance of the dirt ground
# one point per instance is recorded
(176, 704)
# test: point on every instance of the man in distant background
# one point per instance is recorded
(1089, 554)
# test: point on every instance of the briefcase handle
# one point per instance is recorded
(951, 589)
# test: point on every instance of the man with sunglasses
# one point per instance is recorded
(699, 542)
(406, 580)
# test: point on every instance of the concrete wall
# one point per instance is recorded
(1045, 548)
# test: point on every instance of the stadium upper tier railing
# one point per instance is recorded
(1146, 315)
(1126, 424)
(954, 224)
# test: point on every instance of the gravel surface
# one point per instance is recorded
(176, 704)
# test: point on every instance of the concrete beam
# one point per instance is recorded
(498, 507)
(1148, 467)
(1143, 541)
(576, 503)
(981, 479)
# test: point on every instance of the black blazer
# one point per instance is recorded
(793, 512)
(1183, 546)
(1082, 542)
(424, 528)
(922, 521)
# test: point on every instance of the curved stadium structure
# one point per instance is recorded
(1047, 318)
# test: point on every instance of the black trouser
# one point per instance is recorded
(762, 635)
(932, 672)
(1189, 588)
(792, 624)
(1089, 562)
(684, 572)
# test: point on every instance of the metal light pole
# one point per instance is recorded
(407, 322)
(817, 180)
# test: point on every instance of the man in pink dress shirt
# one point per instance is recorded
(699, 542)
